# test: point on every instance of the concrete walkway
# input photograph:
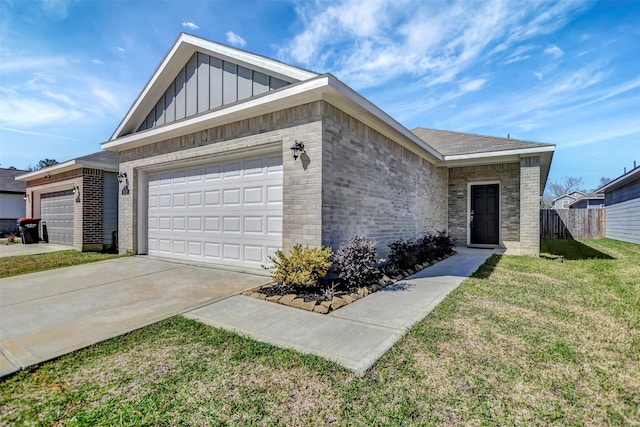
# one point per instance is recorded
(17, 249)
(47, 314)
(357, 335)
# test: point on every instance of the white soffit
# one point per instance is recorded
(177, 57)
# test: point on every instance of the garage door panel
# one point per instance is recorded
(56, 211)
(227, 213)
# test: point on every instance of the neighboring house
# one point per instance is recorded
(11, 201)
(563, 202)
(590, 201)
(622, 204)
(77, 200)
(229, 156)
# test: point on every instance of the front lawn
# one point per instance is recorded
(524, 342)
(15, 265)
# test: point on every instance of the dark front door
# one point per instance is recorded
(485, 218)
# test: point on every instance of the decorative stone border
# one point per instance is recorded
(324, 307)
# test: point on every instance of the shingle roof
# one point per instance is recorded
(450, 143)
(8, 183)
(100, 157)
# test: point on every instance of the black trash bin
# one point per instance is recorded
(29, 230)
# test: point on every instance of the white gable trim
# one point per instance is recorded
(179, 54)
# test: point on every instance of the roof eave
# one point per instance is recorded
(65, 167)
(620, 181)
(325, 87)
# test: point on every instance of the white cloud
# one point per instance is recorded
(368, 44)
(190, 25)
(538, 75)
(96, 61)
(19, 111)
(554, 51)
(235, 39)
(472, 85)
(121, 49)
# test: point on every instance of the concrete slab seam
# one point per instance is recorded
(7, 354)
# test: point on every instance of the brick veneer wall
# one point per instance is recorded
(373, 187)
(508, 174)
(530, 206)
(87, 215)
(329, 194)
(92, 203)
(279, 130)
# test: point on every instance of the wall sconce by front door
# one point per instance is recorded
(76, 191)
(296, 149)
(25, 197)
(122, 177)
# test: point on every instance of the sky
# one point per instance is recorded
(566, 73)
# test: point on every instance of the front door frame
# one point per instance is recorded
(469, 195)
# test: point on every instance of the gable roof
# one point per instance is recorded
(182, 50)
(304, 87)
(576, 194)
(592, 196)
(105, 160)
(8, 183)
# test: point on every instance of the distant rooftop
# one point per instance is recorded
(8, 183)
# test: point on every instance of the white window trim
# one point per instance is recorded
(469, 185)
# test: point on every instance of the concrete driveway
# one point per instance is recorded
(47, 314)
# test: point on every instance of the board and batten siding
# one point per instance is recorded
(623, 213)
(205, 83)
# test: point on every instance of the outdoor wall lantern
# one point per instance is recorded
(297, 148)
(122, 177)
(76, 191)
(26, 196)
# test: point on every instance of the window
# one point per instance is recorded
(565, 204)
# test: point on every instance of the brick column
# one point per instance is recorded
(530, 206)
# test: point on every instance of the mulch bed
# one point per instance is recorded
(323, 301)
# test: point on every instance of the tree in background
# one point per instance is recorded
(603, 181)
(567, 184)
(42, 164)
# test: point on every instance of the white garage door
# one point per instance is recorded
(56, 211)
(225, 213)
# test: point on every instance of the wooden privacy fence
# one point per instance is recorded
(572, 223)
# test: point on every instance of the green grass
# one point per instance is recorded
(15, 265)
(525, 341)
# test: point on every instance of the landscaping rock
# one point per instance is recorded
(309, 305)
(320, 308)
(337, 302)
(326, 304)
(297, 303)
(274, 298)
(348, 298)
(258, 295)
(286, 300)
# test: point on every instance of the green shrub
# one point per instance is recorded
(303, 267)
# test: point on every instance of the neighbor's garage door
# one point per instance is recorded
(224, 213)
(56, 210)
